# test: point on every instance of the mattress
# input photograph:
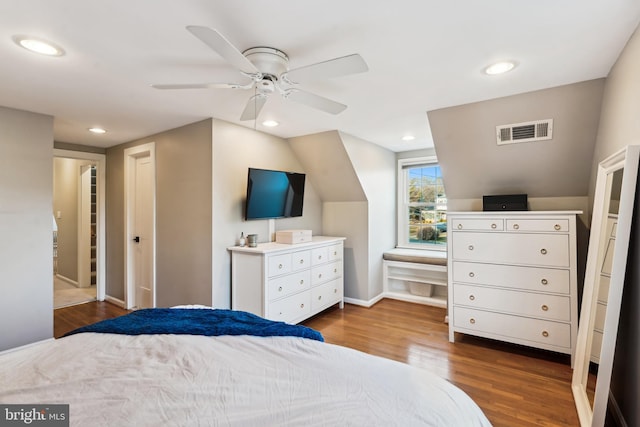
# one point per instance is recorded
(187, 380)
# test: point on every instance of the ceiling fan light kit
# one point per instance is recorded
(268, 68)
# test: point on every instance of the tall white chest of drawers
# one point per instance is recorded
(512, 277)
(288, 282)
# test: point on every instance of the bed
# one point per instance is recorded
(290, 378)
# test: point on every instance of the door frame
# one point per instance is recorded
(130, 156)
(100, 161)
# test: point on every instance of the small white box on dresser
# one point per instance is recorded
(293, 236)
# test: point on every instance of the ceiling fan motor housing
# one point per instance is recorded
(268, 60)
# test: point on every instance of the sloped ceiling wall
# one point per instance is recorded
(328, 164)
(474, 165)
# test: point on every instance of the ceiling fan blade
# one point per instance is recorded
(253, 107)
(315, 101)
(201, 86)
(220, 44)
(350, 64)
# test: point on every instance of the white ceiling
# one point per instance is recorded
(422, 55)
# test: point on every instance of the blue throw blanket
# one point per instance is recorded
(207, 322)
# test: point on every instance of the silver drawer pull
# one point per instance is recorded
(471, 274)
(320, 276)
(472, 321)
(301, 261)
(516, 226)
(319, 297)
(335, 253)
(470, 247)
(302, 281)
(319, 257)
(280, 266)
(544, 281)
(335, 270)
(545, 334)
(557, 227)
(335, 291)
(301, 305)
(459, 226)
(471, 297)
(543, 251)
(280, 289)
(545, 307)
(494, 226)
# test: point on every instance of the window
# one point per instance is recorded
(422, 204)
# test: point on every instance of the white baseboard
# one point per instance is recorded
(616, 412)
(66, 279)
(22, 347)
(363, 303)
(114, 301)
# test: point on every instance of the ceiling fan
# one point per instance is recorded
(268, 69)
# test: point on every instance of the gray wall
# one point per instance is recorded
(620, 126)
(26, 255)
(357, 182)
(235, 149)
(183, 215)
(474, 165)
(66, 173)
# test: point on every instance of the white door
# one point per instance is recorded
(143, 234)
(140, 226)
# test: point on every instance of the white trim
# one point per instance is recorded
(100, 161)
(363, 303)
(130, 156)
(84, 225)
(115, 301)
(401, 220)
(66, 279)
(24, 347)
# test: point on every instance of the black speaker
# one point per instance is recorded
(506, 202)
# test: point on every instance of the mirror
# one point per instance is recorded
(603, 284)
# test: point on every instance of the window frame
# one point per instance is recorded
(402, 203)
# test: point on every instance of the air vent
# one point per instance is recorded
(525, 132)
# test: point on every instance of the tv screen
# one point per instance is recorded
(274, 194)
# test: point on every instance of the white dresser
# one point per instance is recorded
(512, 277)
(288, 282)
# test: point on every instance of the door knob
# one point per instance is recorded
(136, 239)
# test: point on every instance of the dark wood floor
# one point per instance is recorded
(514, 385)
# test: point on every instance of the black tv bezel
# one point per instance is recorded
(248, 188)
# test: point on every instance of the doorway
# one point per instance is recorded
(140, 226)
(79, 218)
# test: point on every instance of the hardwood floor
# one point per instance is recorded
(514, 385)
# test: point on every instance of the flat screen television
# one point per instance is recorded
(274, 194)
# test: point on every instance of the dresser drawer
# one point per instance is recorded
(335, 252)
(544, 306)
(289, 284)
(285, 263)
(510, 276)
(512, 248)
(479, 224)
(291, 308)
(326, 272)
(320, 255)
(517, 328)
(545, 225)
(326, 294)
(601, 311)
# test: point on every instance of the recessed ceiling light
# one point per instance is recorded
(270, 123)
(37, 45)
(499, 67)
(408, 138)
(97, 130)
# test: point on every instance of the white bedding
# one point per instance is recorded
(155, 380)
